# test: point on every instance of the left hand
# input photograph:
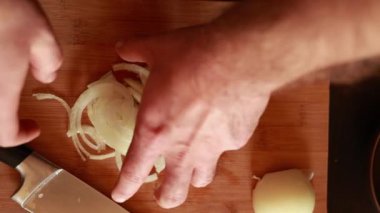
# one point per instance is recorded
(27, 44)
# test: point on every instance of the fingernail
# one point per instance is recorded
(170, 202)
(119, 197)
(51, 77)
(166, 204)
(119, 44)
(200, 184)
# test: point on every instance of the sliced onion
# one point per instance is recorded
(112, 111)
(118, 160)
(108, 77)
(134, 85)
(47, 96)
(151, 178)
(136, 96)
(103, 93)
(141, 71)
(91, 131)
(102, 157)
(159, 165)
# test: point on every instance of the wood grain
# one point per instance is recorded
(292, 132)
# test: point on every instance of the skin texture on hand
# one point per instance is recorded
(26, 43)
(191, 113)
(210, 84)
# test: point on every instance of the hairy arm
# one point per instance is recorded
(285, 40)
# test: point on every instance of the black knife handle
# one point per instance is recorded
(15, 155)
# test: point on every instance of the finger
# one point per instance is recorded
(137, 164)
(13, 68)
(133, 50)
(204, 171)
(18, 132)
(14, 132)
(175, 187)
(28, 130)
(45, 57)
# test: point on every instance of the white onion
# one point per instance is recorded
(118, 160)
(112, 113)
(134, 85)
(159, 165)
(151, 178)
(112, 110)
(45, 96)
(135, 95)
(141, 71)
(286, 191)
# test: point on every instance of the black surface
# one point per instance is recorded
(375, 168)
(14, 156)
(354, 126)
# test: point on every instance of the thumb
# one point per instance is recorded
(45, 57)
(134, 50)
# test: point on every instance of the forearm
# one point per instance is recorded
(285, 40)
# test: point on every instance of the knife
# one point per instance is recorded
(46, 188)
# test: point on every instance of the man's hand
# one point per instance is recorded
(191, 113)
(210, 84)
(26, 43)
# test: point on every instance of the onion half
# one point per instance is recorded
(288, 191)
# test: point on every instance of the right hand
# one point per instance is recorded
(26, 43)
(199, 101)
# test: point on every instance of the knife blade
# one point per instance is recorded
(46, 188)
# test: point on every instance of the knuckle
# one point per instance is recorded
(147, 134)
(237, 142)
(180, 156)
(131, 178)
(184, 144)
(148, 130)
(181, 153)
(151, 115)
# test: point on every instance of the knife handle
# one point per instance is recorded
(15, 155)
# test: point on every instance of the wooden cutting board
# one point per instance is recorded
(292, 132)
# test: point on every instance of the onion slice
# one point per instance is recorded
(47, 96)
(112, 110)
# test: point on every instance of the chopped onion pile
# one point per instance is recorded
(112, 109)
